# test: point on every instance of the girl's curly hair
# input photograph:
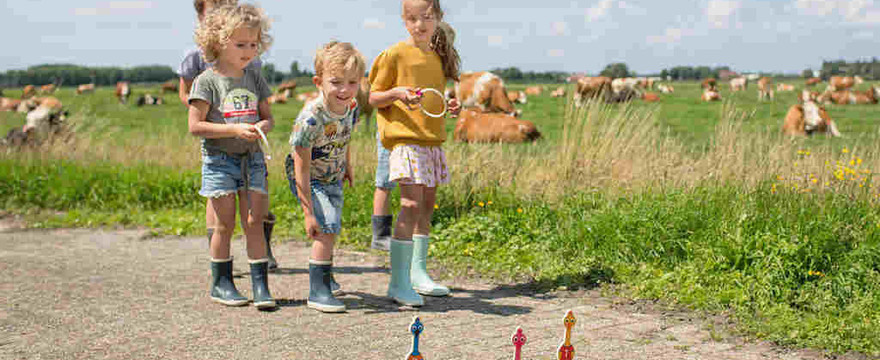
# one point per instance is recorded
(213, 33)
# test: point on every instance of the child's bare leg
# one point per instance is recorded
(421, 281)
(224, 210)
(252, 222)
(382, 201)
(322, 247)
(210, 220)
(411, 197)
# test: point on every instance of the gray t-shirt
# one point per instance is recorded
(193, 64)
(232, 101)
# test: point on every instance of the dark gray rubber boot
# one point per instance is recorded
(268, 225)
(381, 232)
(335, 288)
(222, 287)
(260, 284)
(320, 296)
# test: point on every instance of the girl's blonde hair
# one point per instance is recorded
(199, 5)
(213, 33)
(339, 55)
(443, 43)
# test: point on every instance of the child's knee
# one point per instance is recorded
(409, 205)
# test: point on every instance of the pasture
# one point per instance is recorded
(700, 205)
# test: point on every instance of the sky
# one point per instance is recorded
(559, 35)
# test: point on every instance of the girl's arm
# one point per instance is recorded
(302, 162)
(199, 126)
(382, 99)
(267, 122)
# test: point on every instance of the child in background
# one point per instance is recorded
(319, 162)
(427, 59)
(192, 65)
(227, 105)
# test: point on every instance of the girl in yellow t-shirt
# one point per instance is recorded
(424, 60)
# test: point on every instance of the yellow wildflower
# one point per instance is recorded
(481, 204)
(489, 203)
(436, 206)
(520, 210)
(815, 181)
(845, 150)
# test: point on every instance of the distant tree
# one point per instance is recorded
(615, 70)
(807, 73)
(294, 69)
(664, 73)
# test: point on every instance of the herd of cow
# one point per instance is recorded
(489, 111)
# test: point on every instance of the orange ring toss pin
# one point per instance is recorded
(566, 350)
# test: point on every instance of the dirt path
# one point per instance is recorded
(84, 294)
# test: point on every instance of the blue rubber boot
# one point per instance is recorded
(260, 284)
(400, 288)
(222, 287)
(320, 296)
(421, 281)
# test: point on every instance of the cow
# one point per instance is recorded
(591, 87)
(782, 87)
(753, 77)
(666, 89)
(808, 118)
(41, 121)
(123, 91)
(646, 83)
(624, 95)
(47, 89)
(49, 102)
(765, 88)
(28, 92)
(171, 86)
(845, 97)
(559, 92)
(631, 84)
(711, 95)
(9, 104)
(85, 88)
(149, 99)
(289, 85)
(808, 95)
(485, 91)
(650, 97)
(812, 81)
(307, 96)
(475, 125)
(837, 83)
(534, 90)
(739, 84)
(709, 84)
(517, 97)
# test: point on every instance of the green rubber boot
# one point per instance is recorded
(400, 288)
(421, 281)
(222, 287)
(260, 284)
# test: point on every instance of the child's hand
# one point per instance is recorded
(246, 132)
(409, 96)
(348, 176)
(264, 125)
(312, 228)
(453, 107)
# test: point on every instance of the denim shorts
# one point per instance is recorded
(221, 174)
(382, 172)
(327, 200)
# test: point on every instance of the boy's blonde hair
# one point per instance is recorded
(199, 5)
(213, 33)
(339, 56)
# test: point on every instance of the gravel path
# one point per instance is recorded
(86, 294)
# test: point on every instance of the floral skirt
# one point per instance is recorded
(421, 165)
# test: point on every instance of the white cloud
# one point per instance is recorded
(719, 12)
(559, 28)
(670, 36)
(115, 8)
(599, 11)
(373, 24)
(556, 53)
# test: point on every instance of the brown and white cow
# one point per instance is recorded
(559, 92)
(85, 88)
(666, 89)
(837, 83)
(765, 88)
(171, 86)
(709, 84)
(476, 126)
(812, 81)
(485, 91)
(517, 97)
(288, 85)
(28, 92)
(307, 96)
(592, 87)
(646, 83)
(47, 89)
(808, 118)
(630, 84)
(711, 95)
(9, 104)
(534, 90)
(782, 87)
(739, 84)
(847, 97)
(123, 91)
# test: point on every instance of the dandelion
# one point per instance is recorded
(436, 206)
(815, 181)
(520, 210)
(858, 160)
(845, 151)
(489, 203)
(779, 177)
(481, 204)
(773, 189)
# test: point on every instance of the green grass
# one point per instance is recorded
(792, 259)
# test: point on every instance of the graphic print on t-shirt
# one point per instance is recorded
(240, 106)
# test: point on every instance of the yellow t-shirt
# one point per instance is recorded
(406, 65)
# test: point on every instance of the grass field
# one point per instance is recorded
(700, 205)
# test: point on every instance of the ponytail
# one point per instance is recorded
(443, 43)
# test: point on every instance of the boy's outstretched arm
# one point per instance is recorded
(302, 163)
